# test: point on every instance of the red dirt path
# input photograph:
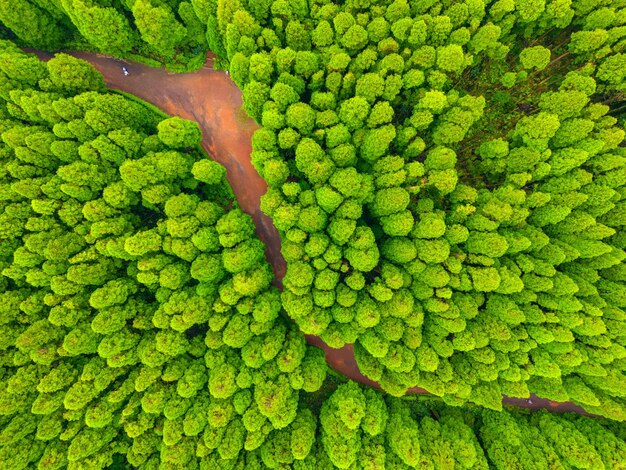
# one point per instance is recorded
(210, 98)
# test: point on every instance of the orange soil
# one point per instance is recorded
(210, 98)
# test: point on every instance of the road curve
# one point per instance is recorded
(212, 99)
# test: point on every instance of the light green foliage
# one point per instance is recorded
(107, 29)
(34, 24)
(587, 41)
(175, 33)
(451, 58)
(179, 133)
(73, 75)
(158, 27)
(611, 69)
(159, 307)
(437, 197)
(536, 57)
(208, 171)
(447, 180)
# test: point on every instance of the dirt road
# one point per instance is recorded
(214, 101)
(210, 98)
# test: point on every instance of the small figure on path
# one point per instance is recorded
(125, 70)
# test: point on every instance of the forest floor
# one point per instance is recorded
(212, 99)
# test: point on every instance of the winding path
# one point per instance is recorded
(210, 98)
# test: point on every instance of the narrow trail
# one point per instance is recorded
(212, 99)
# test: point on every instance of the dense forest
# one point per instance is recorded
(157, 31)
(135, 296)
(139, 324)
(449, 183)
